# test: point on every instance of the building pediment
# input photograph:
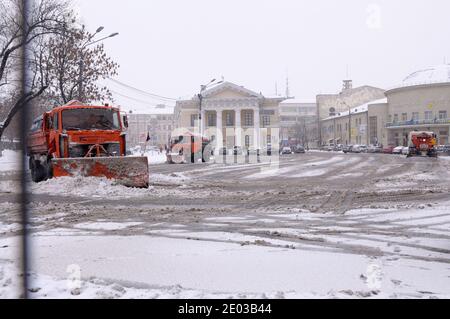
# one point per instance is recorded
(230, 90)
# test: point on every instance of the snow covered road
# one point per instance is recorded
(321, 225)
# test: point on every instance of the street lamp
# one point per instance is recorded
(81, 63)
(203, 88)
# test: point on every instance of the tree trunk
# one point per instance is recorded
(20, 103)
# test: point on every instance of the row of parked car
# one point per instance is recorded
(366, 149)
(403, 150)
(353, 148)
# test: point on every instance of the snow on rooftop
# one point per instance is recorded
(431, 75)
(359, 109)
(299, 101)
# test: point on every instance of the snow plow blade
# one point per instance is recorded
(127, 171)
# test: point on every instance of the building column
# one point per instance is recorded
(219, 132)
(257, 127)
(203, 122)
(238, 128)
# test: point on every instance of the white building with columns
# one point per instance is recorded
(232, 115)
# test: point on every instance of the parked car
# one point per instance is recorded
(363, 148)
(286, 150)
(347, 149)
(327, 148)
(388, 149)
(397, 150)
(446, 150)
(405, 150)
(299, 149)
(443, 149)
(356, 149)
(374, 149)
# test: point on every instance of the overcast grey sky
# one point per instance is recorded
(170, 47)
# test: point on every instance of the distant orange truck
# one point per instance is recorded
(422, 144)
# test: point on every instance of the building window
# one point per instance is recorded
(415, 116)
(442, 115)
(269, 139)
(266, 120)
(395, 118)
(428, 115)
(212, 120)
(229, 119)
(194, 119)
(248, 119)
(404, 117)
(247, 141)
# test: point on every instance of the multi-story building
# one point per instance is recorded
(331, 104)
(298, 123)
(421, 102)
(232, 116)
(157, 124)
(363, 125)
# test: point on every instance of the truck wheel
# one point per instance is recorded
(38, 172)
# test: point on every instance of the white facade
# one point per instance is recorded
(232, 116)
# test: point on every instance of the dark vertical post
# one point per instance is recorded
(23, 117)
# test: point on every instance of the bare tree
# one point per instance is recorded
(45, 19)
(63, 62)
(76, 67)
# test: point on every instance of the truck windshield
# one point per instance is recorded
(90, 119)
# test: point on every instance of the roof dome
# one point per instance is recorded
(436, 74)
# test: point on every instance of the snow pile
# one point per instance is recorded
(97, 187)
(154, 156)
(86, 187)
(9, 161)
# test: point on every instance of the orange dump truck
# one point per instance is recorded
(83, 140)
(422, 144)
(189, 148)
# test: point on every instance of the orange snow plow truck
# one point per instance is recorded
(83, 140)
(422, 144)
